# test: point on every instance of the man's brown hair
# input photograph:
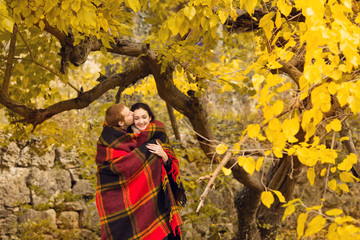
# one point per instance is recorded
(114, 114)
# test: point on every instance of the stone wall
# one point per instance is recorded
(45, 196)
(48, 196)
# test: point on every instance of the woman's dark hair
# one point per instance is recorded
(144, 106)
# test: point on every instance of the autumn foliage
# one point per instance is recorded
(303, 76)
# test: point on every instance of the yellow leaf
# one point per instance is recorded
(301, 224)
(278, 107)
(315, 225)
(321, 98)
(311, 175)
(163, 34)
(318, 207)
(214, 20)
(278, 21)
(289, 210)
(259, 163)
(344, 139)
(284, 7)
(334, 212)
(341, 220)
(334, 125)
(279, 195)
(332, 184)
(253, 130)
(134, 5)
(307, 156)
(249, 165)
(291, 127)
(8, 24)
(267, 152)
(76, 5)
(273, 64)
(267, 198)
(236, 148)
(344, 187)
(174, 28)
(332, 233)
(284, 87)
(221, 149)
(104, 24)
(241, 160)
(348, 162)
(261, 137)
(226, 171)
(189, 12)
(291, 202)
(346, 177)
(250, 6)
(323, 172)
(105, 42)
(65, 5)
(267, 24)
(223, 15)
(342, 95)
(333, 87)
(257, 80)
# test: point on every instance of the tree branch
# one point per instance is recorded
(292, 71)
(9, 63)
(213, 178)
(37, 116)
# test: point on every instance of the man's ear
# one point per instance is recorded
(121, 123)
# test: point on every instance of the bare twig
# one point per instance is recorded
(200, 179)
(198, 134)
(41, 65)
(212, 179)
(328, 168)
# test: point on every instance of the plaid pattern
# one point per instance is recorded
(135, 196)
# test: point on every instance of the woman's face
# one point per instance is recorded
(141, 118)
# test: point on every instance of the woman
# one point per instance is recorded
(143, 120)
(142, 116)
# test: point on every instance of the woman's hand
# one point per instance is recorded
(158, 150)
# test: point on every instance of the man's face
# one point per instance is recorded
(128, 118)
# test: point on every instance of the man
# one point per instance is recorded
(130, 193)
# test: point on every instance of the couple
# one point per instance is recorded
(139, 192)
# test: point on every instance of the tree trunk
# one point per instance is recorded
(246, 202)
(281, 177)
(174, 124)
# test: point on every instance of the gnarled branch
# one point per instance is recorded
(37, 116)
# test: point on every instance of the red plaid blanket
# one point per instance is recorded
(136, 197)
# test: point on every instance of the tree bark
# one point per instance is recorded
(246, 203)
(173, 122)
(282, 177)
